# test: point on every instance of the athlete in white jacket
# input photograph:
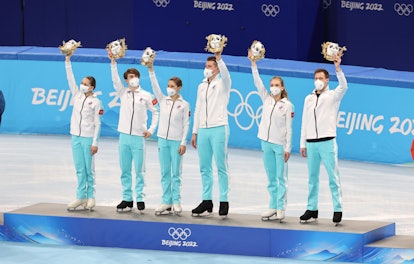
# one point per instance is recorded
(318, 139)
(85, 128)
(275, 132)
(211, 132)
(132, 128)
(172, 140)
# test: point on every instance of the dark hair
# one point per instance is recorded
(177, 81)
(92, 81)
(212, 58)
(131, 71)
(284, 93)
(325, 72)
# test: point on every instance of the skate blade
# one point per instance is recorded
(269, 218)
(223, 216)
(205, 214)
(312, 220)
(76, 209)
(90, 209)
(166, 212)
(124, 210)
(337, 224)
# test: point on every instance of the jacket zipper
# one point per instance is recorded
(80, 113)
(169, 119)
(270, 121)
(133, 111)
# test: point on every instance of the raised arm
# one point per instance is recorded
(69, 75)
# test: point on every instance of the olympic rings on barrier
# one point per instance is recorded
(244, 105)
(403, 9)
(270, 10)
(179, 233)
(161, 3)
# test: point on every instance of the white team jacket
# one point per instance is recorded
(174, 115)
(212, 100)
(134, 105)
(319, 116)
(87, 111)
(276, 122)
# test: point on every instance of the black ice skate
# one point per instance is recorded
(308, 215)
(140, 206)
(124, 206)
(337, 218)
(224, 209)
(204, 206)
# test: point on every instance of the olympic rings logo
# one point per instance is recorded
(270, 10)
(161, 3)
(244, 105)
(403, 9)
(326, 4)
(179, 233)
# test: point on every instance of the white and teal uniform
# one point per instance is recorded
(275, 132)
(131, 125)
(85, 128)
(318, 135)
(172, 133)
(211, 127)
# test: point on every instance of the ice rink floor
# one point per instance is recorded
(39, 168)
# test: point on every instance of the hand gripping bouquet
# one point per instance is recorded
(257, 50)
(69, 47)
(215, 43)
(330, 49)
(148, 56)
(117, 48)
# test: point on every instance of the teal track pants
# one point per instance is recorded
(132, 148)
(171, 167)
(277, 174)
(327, 153)
(213, 142)
(84, 166)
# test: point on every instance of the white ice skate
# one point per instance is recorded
(163, 209)
(280, 215)
(77, 203)
(177, 209)
(90, 204)
(266, 216)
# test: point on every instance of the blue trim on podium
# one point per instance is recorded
(171, 233)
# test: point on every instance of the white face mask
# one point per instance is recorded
(319, 85)
(84, 88)
(171, 92)
(134, 82)
(275, 90)
(208, 73)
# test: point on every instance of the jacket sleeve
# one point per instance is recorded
(259, 83)
(155, 86)
(155, 114)
(290, 113)
(71, 78)
(341, 89)
(119, 87)
(225, 75)
(196, 117)
(99, 110)
(186, 124)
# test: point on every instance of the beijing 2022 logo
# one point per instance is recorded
(179, 238)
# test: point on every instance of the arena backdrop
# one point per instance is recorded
(375, 121)
(376, 33)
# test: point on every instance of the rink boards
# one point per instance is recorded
(238, 234)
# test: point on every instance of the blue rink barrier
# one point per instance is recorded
(239, 234)
(375, 120)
